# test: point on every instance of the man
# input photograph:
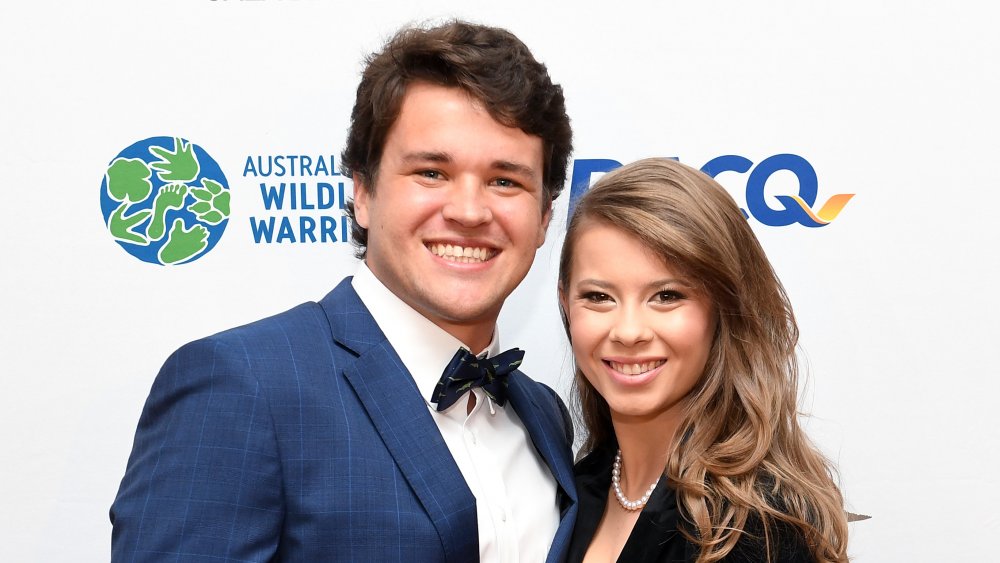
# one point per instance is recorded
(323, 433)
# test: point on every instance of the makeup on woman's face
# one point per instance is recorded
(641, 333)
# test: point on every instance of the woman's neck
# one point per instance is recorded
(645, 445)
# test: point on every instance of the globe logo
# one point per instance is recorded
(165, 200)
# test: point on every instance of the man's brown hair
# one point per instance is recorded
(489, 63)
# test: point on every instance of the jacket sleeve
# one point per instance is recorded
(203, 481)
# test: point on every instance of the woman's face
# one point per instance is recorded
(640, 332)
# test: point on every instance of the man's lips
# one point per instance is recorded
(471, 253)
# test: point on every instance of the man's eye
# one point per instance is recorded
(430, 174)
(505, 183)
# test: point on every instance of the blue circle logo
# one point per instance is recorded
(165, 200)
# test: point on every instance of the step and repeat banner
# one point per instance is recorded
(171, 170)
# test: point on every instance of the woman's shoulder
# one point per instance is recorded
(597, 461)
(785, 541)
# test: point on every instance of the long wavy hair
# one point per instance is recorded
(739, 451)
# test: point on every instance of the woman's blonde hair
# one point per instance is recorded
(740, 451)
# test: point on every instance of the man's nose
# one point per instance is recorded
(468, 203)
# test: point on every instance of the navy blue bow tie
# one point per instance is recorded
(466, 371)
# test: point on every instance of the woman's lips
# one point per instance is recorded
(633, 372)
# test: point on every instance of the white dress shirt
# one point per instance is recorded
(514, 489)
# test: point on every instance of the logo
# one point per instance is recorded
(791, 208)
(165, 200)
(302, 199)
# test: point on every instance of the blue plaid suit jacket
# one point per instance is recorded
(303, 438)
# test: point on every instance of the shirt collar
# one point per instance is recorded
(424, 347)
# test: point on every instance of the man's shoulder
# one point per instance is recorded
(308, 320)
(253, 348)
(549, 402)
(299, 327)
(537, 388)
(304, 319)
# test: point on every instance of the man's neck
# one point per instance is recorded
(475, 334)
(475, 338)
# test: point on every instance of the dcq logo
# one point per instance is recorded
(165, 200)
(794, 208)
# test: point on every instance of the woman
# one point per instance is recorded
(686, 378)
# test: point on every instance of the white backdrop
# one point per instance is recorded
(896, 299)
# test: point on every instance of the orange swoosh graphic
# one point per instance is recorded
(830, 209)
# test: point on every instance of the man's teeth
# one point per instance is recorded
(636, 369)
(463, 254)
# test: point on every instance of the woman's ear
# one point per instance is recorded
(564, 310)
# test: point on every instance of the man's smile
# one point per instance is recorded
(462, 254)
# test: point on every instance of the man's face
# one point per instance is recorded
(457, 215)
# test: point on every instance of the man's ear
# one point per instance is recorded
(546, 217)
(361, 197)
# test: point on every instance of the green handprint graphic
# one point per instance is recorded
(179, 165)
(182, 244)
(128, 179)
(212, 206)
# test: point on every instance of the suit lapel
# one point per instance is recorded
(542, 418)
(400, 416)
(543, 425)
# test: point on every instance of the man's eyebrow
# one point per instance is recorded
(515, 167)
(445, 158)
(427, 156)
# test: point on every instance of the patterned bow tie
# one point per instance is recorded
(466, 371)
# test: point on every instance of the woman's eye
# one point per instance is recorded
(669, 296)
(596, 297)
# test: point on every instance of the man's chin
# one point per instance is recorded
(465, 311)
(469, 313)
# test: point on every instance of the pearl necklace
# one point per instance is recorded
(616, 476)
